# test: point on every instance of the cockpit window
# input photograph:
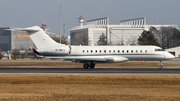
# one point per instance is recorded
(158, 50)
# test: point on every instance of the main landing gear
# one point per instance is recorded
(89, 65)
(160, 64)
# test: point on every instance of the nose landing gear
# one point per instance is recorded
(160, 64)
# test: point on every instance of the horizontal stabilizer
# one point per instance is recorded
(30, 29)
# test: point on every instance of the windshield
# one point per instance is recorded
(159, 49)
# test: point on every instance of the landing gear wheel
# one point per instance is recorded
(86, 66)
(92, 65)
(160, 66)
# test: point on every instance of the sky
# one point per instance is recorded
(27, 13)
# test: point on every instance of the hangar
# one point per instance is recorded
(125, 33)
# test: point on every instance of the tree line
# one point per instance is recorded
(165, 37)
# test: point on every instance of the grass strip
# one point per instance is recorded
(24, 87)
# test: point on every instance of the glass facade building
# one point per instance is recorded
(10, 40)
(5, 39)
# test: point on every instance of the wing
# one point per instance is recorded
(92, 58)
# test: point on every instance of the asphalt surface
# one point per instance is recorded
(90, 71)
(109, 70)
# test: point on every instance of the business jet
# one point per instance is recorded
(90, 55)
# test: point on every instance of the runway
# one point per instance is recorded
(90, 71)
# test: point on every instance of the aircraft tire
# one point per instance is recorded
(86, 66)
(92, 65)
(160, 66)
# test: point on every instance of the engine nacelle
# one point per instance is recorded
(61, 50)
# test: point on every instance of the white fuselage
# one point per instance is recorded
(148, 53)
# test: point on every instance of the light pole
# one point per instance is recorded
(64, 32)
(60, 21)
(110, 31)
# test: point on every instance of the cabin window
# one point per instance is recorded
(109, 51)
(141, 51)
(127, 51)
(131, 51)
(99, 51)
(83, 51)
(146, 51)
(118, 51)
(87, 51)
(91, 51)
(96, 51)
(136, 51)
(104, 51)
(114, 51)
(122, 51)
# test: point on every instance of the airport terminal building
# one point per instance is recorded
(19, 40)
(10, 40)
(125, 33)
